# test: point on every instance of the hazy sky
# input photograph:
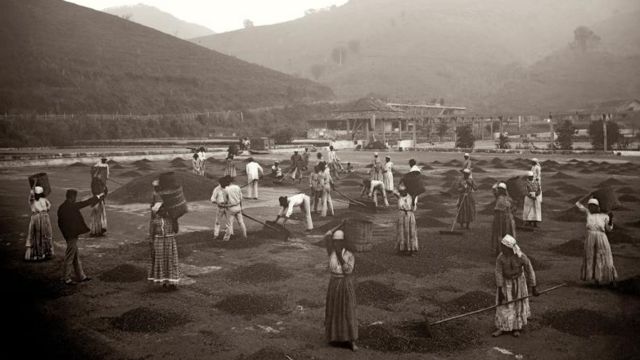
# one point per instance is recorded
(223, 15)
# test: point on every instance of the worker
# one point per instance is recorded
(254, 173)
(219, 199)
(372, 188)
(597, 262)
(387, 174)
(503, 219)
(406, 229)
(376, 168)
(513, 273)
(532, 208)
(341, 321)
(325, 181)
(288, 203)
(466, 202)
(233, 208)
(536, 169)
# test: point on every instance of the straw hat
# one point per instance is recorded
(502, 186)
(338, 235)
(593, 201)
(529, 173)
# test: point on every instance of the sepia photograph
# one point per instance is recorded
(320, 179)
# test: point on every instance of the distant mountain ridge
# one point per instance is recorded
(162, 21)
(465, 51)
(59, 57)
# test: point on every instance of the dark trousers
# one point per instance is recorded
(72, 259)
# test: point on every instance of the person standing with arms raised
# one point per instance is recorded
(72, 225)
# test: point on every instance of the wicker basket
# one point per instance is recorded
(174, 202)
(358, 233)
(607, 198)
(42, 180)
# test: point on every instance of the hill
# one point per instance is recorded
(569, 79)
(460, 50)
(162, 21)
(63, 58)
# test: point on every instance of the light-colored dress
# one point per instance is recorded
(98, 223)
(39, 242)
(406, 229)
(513, 273)
(341, 321)
(387, 176)
(537, 175)
(532, 209)
(597, 264)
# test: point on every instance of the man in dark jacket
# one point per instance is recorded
(72, 225)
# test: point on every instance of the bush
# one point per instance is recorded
(565, 135)
(596, 134)
(283, 136)
(465, 137)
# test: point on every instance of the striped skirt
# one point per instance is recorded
(597, 264)
(513, 316)
(407, 232)
(39, 241)
(98, 222)
(340, 321)
(164, 260)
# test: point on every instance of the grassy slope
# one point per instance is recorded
(60, 57)
(160, 20)
(462, 50)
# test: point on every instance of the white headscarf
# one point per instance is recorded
(38, 190)
(510, 242)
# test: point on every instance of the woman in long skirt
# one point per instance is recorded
(532, 210)
(513, 273)
(163, 268)
(597, 264)
(536, 169)
(406, 229)
(230, 166)
(466, 202)
(341, 322)
(503, 221)
(387, 174)
(98, 223)
(39, 242)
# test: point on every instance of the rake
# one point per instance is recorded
(424, 314)
(450, 231)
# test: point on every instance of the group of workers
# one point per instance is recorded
(513, 271)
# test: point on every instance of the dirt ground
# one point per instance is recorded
(263, 298)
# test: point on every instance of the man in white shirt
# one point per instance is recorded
(254, 173)
(373, 187)
(288, 203)
(334, 162)
(219, 199)
(234, 209)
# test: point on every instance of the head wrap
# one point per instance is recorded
(535, 160)
(338, 235)
(502, 186)
(375, 154)
(38, 190)
(155, 183)
(593, 201)
(510, 242)
(529, 173)
(466, 171)
(466, 155)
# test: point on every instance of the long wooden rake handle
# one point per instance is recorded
(464, 197)
(494, 306)
(350, 199)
